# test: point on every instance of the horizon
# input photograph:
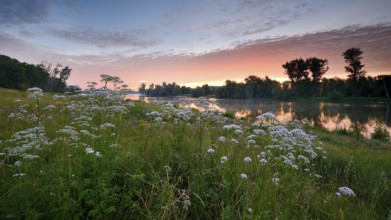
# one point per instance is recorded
(194, 43)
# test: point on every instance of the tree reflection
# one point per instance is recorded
(360, 116)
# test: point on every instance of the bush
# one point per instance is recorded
(381, 132)
(335, 96)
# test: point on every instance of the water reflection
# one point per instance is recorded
(350, 116)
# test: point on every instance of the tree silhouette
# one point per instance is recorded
(318, 68)
(353, 58)
(296, 70)
(142, 87)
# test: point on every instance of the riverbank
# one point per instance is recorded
(98, 156)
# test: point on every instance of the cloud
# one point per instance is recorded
(265, 57)
(106, 39)
(24, 11)
(260, 57)
(252, 16)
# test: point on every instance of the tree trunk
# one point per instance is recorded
(385, 87)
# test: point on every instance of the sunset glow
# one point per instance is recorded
(193, 43)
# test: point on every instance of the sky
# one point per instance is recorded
(193, 42)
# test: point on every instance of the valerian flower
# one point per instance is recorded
(244, 176)
(211, 151)
(247, 159)
(89, 150)
(223, 159)
(345, 191)
(35, 92)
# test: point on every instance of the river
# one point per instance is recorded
(361, 115)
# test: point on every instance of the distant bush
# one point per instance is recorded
(229, 114)
(335, 96)
(381, 132)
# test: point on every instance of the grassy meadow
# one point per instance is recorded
(98, 156)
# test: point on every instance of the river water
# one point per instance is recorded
(353, 115)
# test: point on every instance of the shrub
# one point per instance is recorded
(381, 132)
(335, 96)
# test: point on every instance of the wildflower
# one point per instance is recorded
(107, 125)
(234, 141)
(250, 210)
(222, 139)
(50, 107)
(251, 136)
(89, 150)
(55, 97)
(261, 118)
(318, 176)
(345, 191)
(251, 141)
(223, 159)
(117, 109)
(154, 113)
(263, 161)
(305, 159)
(211, 151)
(187, 202)
(30, 156)
(98, 154)
(168, 169)
(238, 132)
(232, 126)
(36, 92)
(18, 163)
(247, 159)
(158, 119)
(18, 175)
(262, 155)
(275, 181)
(259, 131)
(244, 176)
(115, 145)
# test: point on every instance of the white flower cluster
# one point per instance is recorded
(35, 92)
(170, 113)
(346, 191)
(87, 116)
(291, 148)
(31, 139)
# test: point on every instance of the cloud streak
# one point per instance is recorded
(261, 57)
(254, 17)
(24, 11)
(266, 56)
(105, 39)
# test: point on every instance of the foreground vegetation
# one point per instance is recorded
(98, 156)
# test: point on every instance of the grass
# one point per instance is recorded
(157, 165)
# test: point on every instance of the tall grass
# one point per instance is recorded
(98, 156)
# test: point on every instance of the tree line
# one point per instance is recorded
(305, 80)
(20, 76)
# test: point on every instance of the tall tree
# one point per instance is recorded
(296, 70)
(206, 89)
(142, 87)
(353, 58)
(252, 84)
(230, 87)
(318, 67)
